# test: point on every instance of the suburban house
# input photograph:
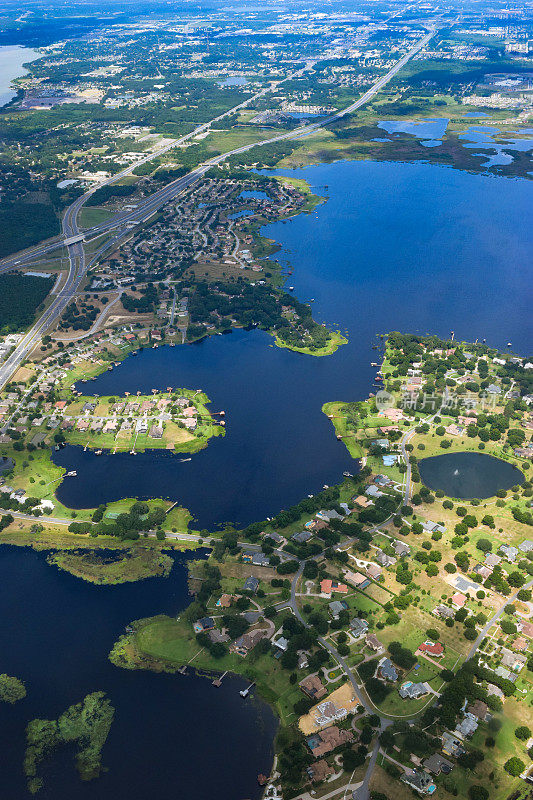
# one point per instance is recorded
(513, 661)
(373, 643)
(434, 649)
(325, 741)
(313, 687)
(478, 709)
(247, 642)
(356, 579)
(358, 627)
(255, 557)
(327, 586)
(412, 691)
(437, 764)
(336, 607)
(387, 670)
(251, 584)
(467, 727)
(451, 745)
(301, 537)
(203, 624)
(458, 600)
(319, 771)
(420, 781)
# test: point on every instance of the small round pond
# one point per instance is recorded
(468, 475)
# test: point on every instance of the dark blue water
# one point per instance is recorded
(468, 475)
(411, 247)
(423, 129)
(172, 737)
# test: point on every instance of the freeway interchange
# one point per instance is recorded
(73, 237)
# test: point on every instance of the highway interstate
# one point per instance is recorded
(73, 237)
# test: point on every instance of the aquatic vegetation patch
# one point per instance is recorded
(86, 723)
(11, 689)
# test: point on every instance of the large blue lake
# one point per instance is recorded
(173, 736)
(411, 247)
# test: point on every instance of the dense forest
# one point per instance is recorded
(20, 296)
(25, 224)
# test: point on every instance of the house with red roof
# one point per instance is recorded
(434, 649)
(458, 600)
(327, 586)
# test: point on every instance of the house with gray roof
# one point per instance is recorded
(412, 691)
(387, 670)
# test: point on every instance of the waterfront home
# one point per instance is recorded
(394, 414)
(203, 624)
(224, 601)
(373, 491)
(327, 516)
(156, 432)
(275, 537)
(326, 741)
(319, 771)
(247, 642)
(328, 712)
(313, 687)
(361, 501)
(454, 430)
(433, 527)
(390, 460)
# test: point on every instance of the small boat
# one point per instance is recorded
(183, 460)
(374, 364)
(71, 474)
(347, 474)
(509, 344)
(291, 288)
(98, 453)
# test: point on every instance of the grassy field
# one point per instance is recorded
(172, 643)
(89, 217)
